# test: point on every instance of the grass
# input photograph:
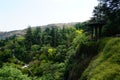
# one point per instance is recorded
(106, 65)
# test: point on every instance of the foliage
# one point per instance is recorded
(35, 47)
(79, 38)
(58, 54)
(107, 61)
(46, 52)
(28, 38)
(109, 11)
(11, 73)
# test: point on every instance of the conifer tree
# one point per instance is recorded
(28, 38)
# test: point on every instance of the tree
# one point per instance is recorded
(5, 56)
(109, 11)
(46, 38)
(53, 35)
(11, 73)
(37, 36)
(28, 38)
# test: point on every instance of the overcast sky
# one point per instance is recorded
(19, 14)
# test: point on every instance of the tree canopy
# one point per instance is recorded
(109, 11)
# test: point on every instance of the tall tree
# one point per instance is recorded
(109, 10)
(28, 38)
(46, 38)
(37, 36)
(53, 35)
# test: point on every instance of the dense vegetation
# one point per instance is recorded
(108, 11)
(41, 54)
(65, 53)
(106, 65)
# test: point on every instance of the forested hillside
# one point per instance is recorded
(40, 54)
(67, 52)
(4, 34)
(106, 65)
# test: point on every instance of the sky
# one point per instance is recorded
(19, 14)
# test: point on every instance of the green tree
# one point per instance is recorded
(29, 38)
(37, 34)
(46, 38)
(11, 73)
(109, 11)
(53, 35)
(5, 55)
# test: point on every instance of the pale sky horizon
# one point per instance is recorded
(19, 14)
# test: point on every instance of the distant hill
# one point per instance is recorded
(4, 35)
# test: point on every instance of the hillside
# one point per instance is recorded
(99, 60)
(4, 35)
(57, 53)
(41, 54)
(106, 65)
(60, 54)
(87, 50)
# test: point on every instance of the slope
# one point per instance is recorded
(106, 65)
